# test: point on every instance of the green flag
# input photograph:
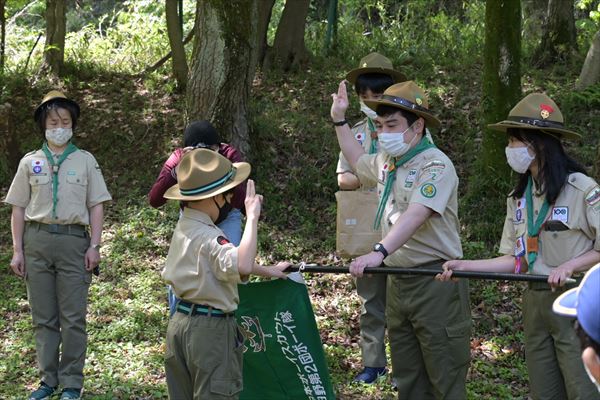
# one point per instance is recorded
(283, 354)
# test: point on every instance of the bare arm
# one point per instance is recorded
(348, 181)
(407, 224)
(559, 275)
(504, 263)
(247, 247)
(17, 223)
(92, 256)
(351, 149)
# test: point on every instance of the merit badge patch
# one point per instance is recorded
(518, 216)
(434, 168)
(37, 166)
(360, 137)
(560, 214)
(428, 190)
(410, 178)
(520, 247)
(593, 196)
(222, 240)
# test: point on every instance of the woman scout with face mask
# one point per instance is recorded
(552, 227)
(204, 345)
(374, 74)
(56, 193)
(428, 323)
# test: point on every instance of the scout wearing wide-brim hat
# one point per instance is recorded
(407, 96)
(375, 63)
(205, 173)
(536, 112)
(54, 96)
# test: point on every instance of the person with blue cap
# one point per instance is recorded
(583, 302)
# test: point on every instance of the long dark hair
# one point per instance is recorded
(554, 165)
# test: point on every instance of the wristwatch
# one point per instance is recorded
(340, 123)
(379, 247)
(95, 246)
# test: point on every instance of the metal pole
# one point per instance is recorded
(313, 268)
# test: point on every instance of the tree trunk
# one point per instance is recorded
(490, 183)
(590, 73)
(289, 50)
(265, 9)
(179, 62)
(223, 66)
(2, 34)
(559, 37)
(9, 145)
(54, 49)
(332, 25)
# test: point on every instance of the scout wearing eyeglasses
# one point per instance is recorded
(204, 345)
(374, 74)
(56, 192)
(428, 324)
(552, 227)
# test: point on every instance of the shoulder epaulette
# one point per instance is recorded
(581, 182)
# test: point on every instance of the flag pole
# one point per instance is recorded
(502, 276)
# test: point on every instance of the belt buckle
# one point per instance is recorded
(53, 228)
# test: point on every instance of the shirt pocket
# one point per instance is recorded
(41, 191)
(76, 187)
(558, 247)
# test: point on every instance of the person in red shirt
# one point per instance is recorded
(201, 134)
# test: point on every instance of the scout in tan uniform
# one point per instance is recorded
(204, 345)
(56, 192)
(374, 74)
(428, 325)
(552, 227)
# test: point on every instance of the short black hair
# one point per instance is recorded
(385, 110)
(375, 81)
(554, 165)
(53, 106)
(585, 339)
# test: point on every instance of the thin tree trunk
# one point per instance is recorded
(54, 49)
(489, 183)
(223, 66)
(289, 50)
(179, 62)
(9, 145)
(590, 73)
(2, 34)
(559, 37)
(265, 9)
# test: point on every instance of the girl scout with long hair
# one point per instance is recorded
(552, 227)
(56, 193)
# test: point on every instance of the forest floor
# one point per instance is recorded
(132, 125)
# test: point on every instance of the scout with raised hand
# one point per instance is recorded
(56, 193)
(204, 345)
(552, 227)
(428, 324)
(374, 74)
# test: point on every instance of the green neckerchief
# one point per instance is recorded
(423, 145)
(55, 166)
(372, 128)
(533, 229)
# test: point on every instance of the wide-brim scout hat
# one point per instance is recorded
(583, 302)
(375, 63)
(536, 112)
(204, 173)
(54, 96)
(406, 96)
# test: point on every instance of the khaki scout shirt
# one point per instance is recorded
(574, 230)
(202, 265)
(428, 179)
(80, 187)
(362, 134)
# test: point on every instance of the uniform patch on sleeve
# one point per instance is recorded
(428, 190)
(593, 197)
(434, 168)
(222, 240)
(360, 137)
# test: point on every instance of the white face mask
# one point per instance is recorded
(518, 158)
(393, 143)
(59, 136)
(367, 111)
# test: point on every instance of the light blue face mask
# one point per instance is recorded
(393, 142)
